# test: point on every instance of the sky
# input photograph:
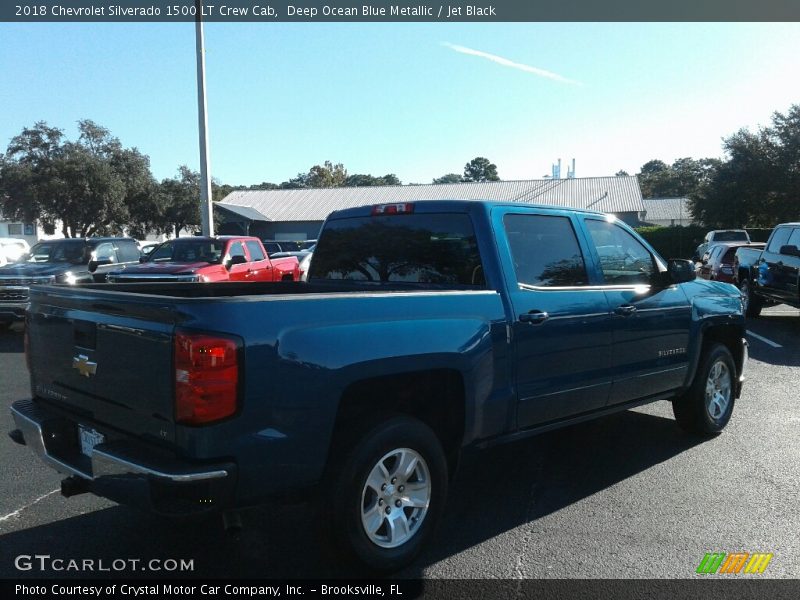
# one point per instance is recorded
(415, 99)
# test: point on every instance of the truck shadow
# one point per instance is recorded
(11, 340)
(494, 491)
(778, 327)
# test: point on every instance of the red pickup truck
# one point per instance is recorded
(209, 259)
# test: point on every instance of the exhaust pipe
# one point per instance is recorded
(74, 485)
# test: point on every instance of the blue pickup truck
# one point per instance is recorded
(423, 329)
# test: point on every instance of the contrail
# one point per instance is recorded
(510, 63)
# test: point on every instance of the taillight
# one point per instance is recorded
(393, 209)
(206, 377)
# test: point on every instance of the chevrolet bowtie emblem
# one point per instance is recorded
(84, 365)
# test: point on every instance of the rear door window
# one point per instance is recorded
(127, 251)
(436, 249)
(256, 253)
(545, 251)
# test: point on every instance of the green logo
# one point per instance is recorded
(734, 563)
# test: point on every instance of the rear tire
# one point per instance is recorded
(387, 493)
(707, 406)
(752, 303)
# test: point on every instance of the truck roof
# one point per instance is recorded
(454, 205)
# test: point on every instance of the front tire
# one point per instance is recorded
(707, 406)
(388, 494)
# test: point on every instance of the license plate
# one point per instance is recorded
(89, 439)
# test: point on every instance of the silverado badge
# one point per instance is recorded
(84, 365)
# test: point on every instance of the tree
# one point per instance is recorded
(759, 183)
(449, 178)
(681, 179)
(88, 185)
(480, 169)
(296, 183)
(181, 200)
(621, 173)
(369, 180)
(326, 175)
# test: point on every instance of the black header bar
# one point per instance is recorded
(315, 11)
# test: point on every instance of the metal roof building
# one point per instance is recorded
(298, 214)
(667, 211)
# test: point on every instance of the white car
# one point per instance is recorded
(11, 249)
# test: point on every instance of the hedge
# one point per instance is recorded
(674, 242)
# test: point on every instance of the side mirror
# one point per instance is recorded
(235, 260)
(142, 259)
(93, 264)
(790, 250)
(679, 271)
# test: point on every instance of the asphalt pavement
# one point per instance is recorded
(627, 496)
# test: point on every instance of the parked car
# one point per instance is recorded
(720, 235)
(424, 329)
(773, 275)
(720, 264)
(12, 249)
(209, 259)
(68, 261)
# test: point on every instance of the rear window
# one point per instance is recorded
(728, 258)
(730, 236)
(438, 249)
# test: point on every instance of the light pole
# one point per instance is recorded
(206, 209)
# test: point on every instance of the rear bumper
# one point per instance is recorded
(124, 470)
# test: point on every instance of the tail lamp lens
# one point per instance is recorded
(206, 378)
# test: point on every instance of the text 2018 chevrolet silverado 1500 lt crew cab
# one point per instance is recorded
(424, 328)
(772, 275)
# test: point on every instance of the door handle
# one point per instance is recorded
(625, 310)
(534, 317)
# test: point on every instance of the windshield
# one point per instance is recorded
(63, 251)
(730, 236)
(188, 251)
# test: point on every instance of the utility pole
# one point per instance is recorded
(206, 208)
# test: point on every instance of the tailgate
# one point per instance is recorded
(106, 357)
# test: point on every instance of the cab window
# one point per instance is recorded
(256, 253)
(623, 258)
(545, 251)
(779, 238)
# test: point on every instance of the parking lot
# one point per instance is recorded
(628, 496)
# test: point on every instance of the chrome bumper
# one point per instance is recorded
(105, 460)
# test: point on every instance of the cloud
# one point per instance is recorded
(510, 63)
